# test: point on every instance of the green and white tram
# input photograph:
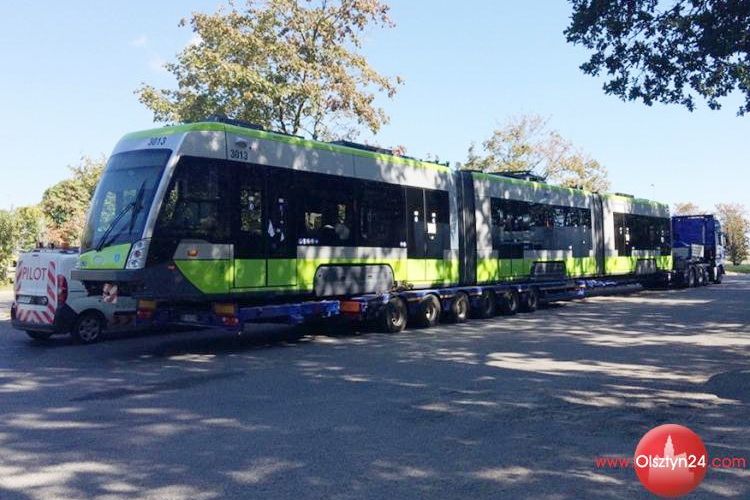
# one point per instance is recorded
(218, 210)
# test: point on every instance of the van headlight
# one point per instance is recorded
(137, 257)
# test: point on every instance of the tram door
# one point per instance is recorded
(416, 237)
(249, 228)
(264, 250)
(282, 242)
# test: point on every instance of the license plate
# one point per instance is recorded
(189, 318)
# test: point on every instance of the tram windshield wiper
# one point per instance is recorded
(135, 206)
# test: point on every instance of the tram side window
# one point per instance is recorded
(511, 221)
(520, 225)
(251, 210)
(327, 215)
(381, 215)
(573, 230)
(641, 232)
(194, 205)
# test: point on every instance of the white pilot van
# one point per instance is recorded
(48, 302)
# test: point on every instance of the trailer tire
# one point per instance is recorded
(459, 310)
(486, 305)
(690, 283)
(509, 303)
(88, 327)
(428, 311)
(705, 277)
(699, 281)
(393, 317)
(530, 300)
(38, 335)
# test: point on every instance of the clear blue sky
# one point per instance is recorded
(69, 70)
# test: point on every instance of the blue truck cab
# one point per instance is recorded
(697, 249)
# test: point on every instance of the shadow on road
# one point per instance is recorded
(508, 407)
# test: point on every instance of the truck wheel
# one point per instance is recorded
(88, 328)
(530, 300)
(705, 281)
(698, 276)
(428, 311)
(38, 335)
(485, 305)
(509, 303)
(393, 317)
(719, 275)
(459, 310)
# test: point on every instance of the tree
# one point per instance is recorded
(65, 204)
(7, 244)
(284, 64)
(666, 51)
(526, 143)
(686, 208)
(736, 226)
(30, 227)
(88, 171)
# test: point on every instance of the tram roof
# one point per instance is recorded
(285, 139)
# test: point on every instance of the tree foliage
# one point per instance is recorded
(58, 219)
(666, 51)
(288, 65)
(30, 227)
(736, 226)
(65, 204)
(526, 143)
(686, 208)
(7, 244)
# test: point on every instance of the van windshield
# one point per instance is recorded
(123, 197)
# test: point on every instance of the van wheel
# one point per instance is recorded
(509, 303)
(459, 310)
(88, 328)
(39, 335)
(428, 311)
(530, 301)
(393, 316)
(486, 305)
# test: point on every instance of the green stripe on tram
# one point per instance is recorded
(224, 276)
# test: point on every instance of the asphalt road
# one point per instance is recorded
(509, 407)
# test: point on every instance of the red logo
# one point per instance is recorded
(670, 460)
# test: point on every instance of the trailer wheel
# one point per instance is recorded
(691, 278)
(530, 300)
(88, 328)
(428, 311)
(459, 310)
(38, 335)
(705, 281)
(393, 316)
(509, 303)
(486, 305)
(699, 276)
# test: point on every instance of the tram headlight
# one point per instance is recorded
(137, 257)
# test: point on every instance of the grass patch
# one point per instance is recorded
(742, 268)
